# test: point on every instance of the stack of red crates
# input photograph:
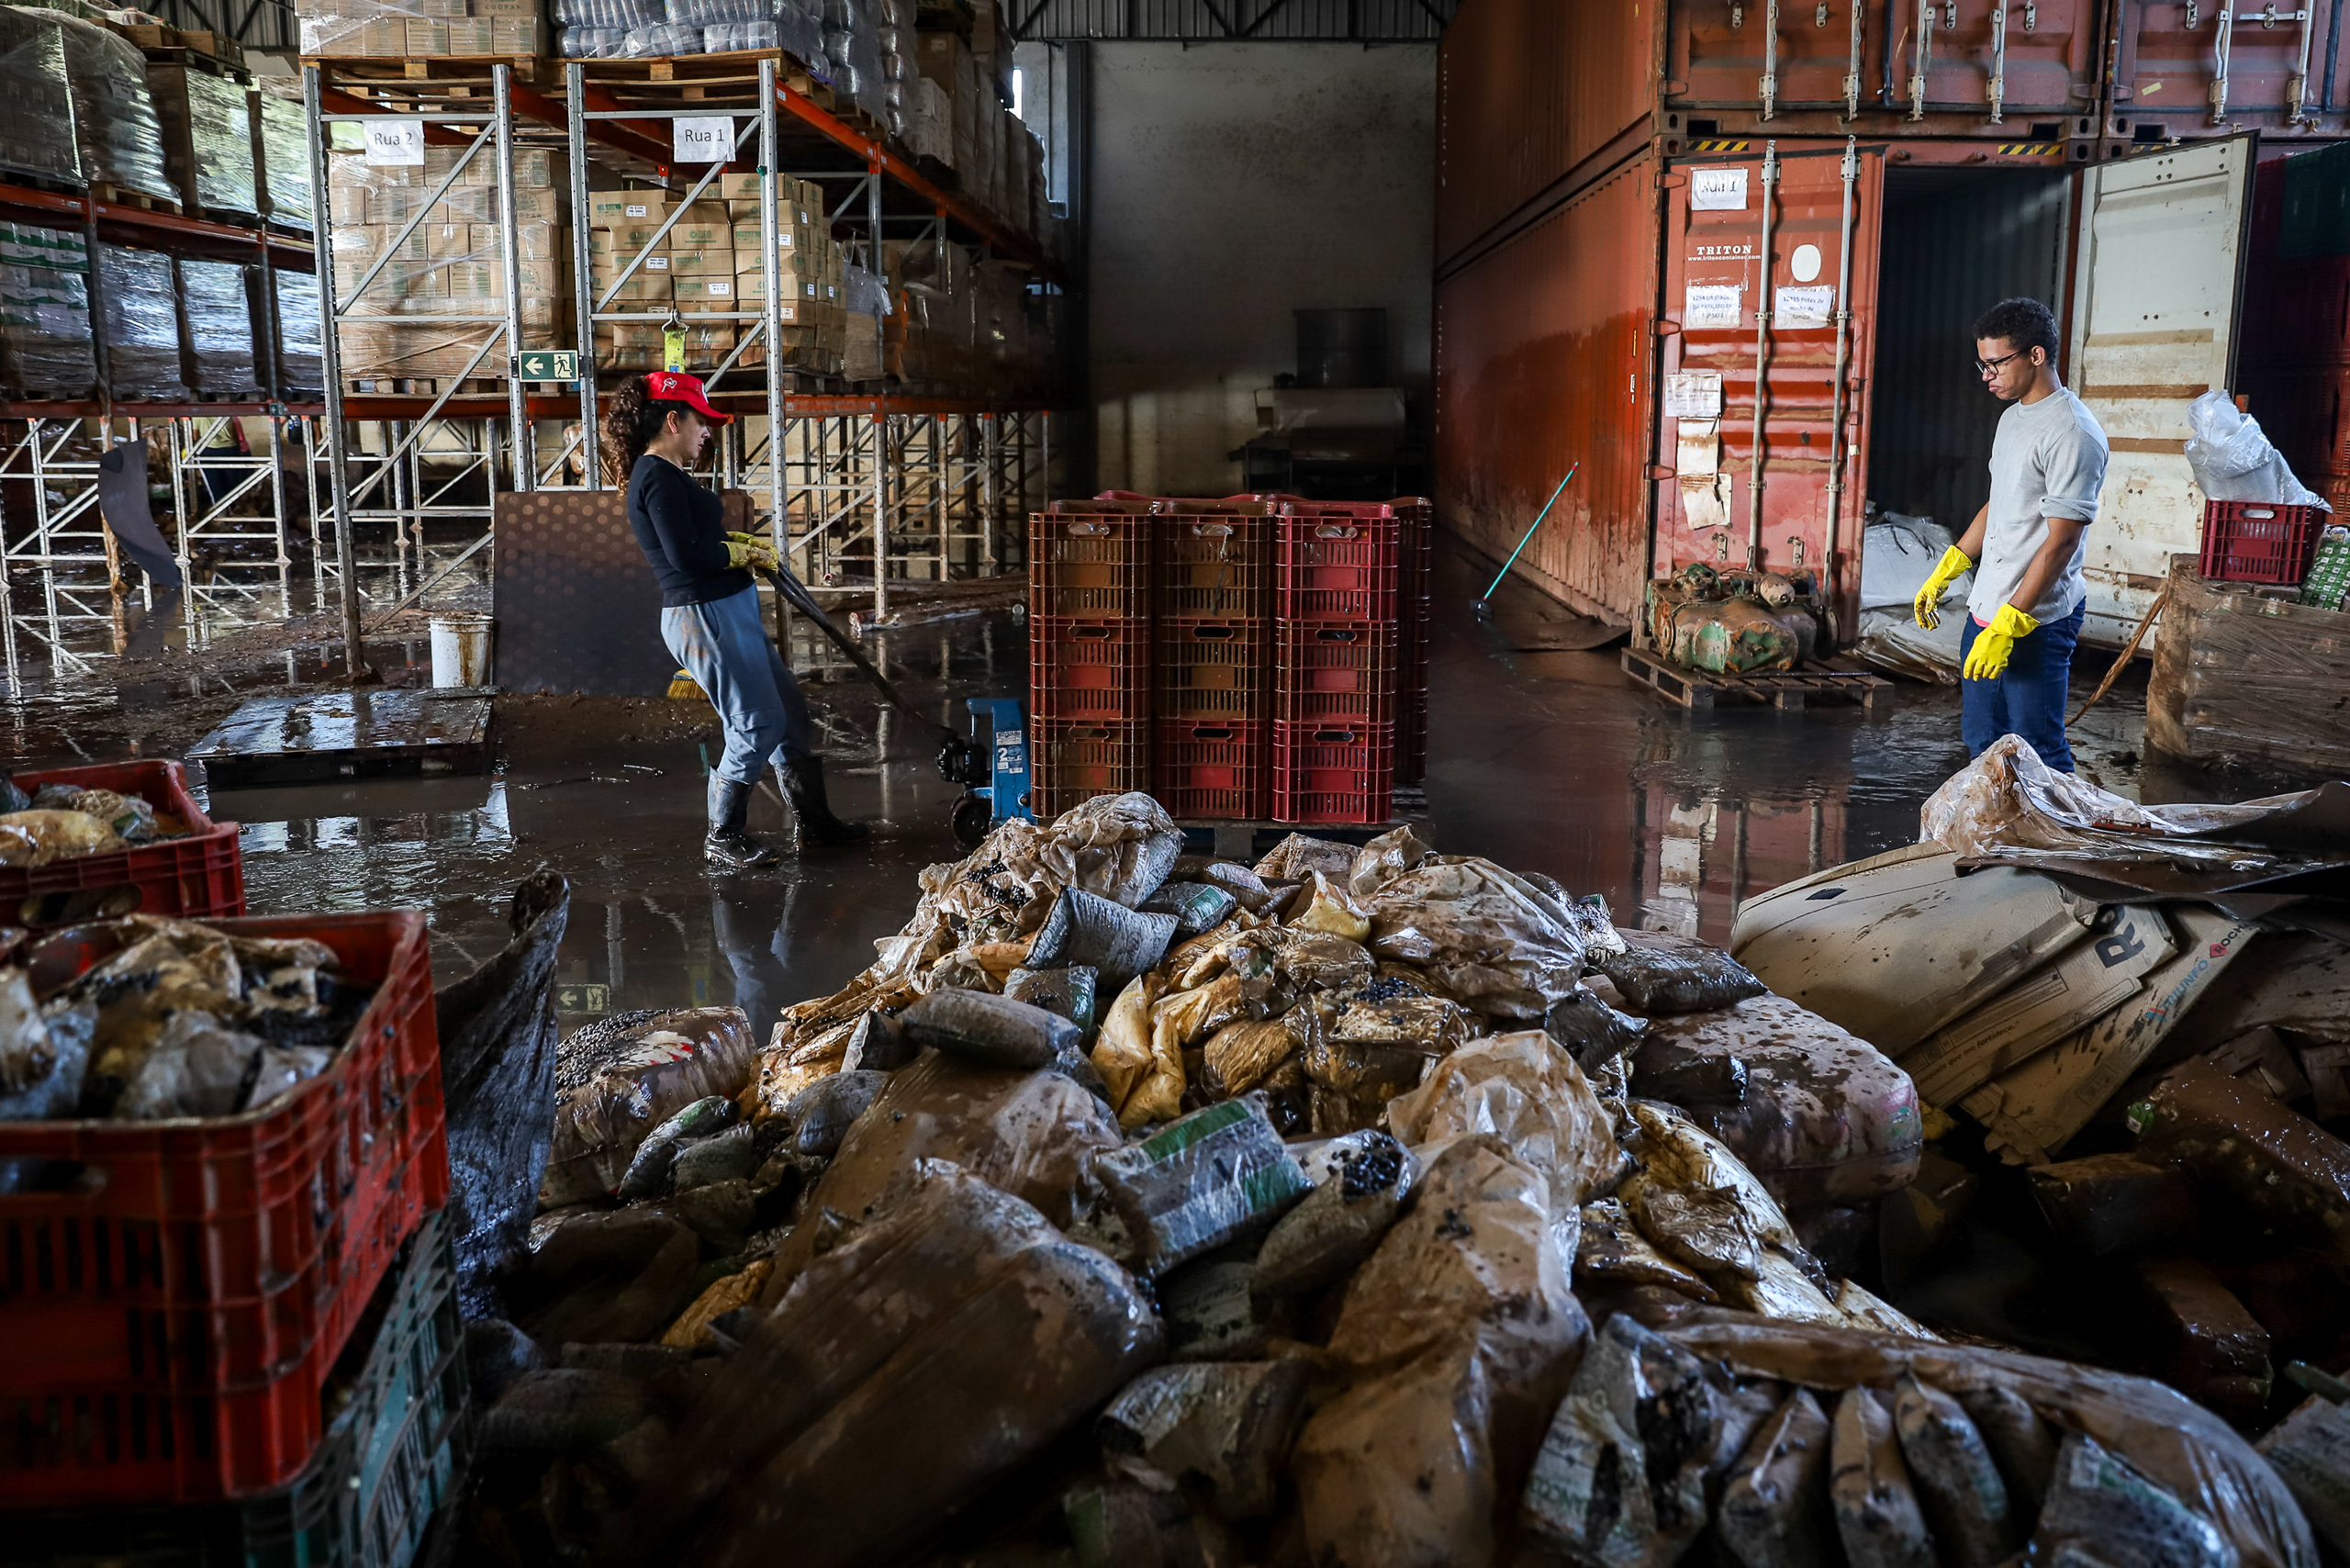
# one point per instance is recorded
(1418, 516)
(1089, 568)
(1214, 648)
(1340, 662)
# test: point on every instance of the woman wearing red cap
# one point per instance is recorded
(653, 430)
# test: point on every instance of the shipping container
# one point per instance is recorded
(1530, 93)
(1913, 239)
(1542, 360)
(2006, 69)
(2195, 70)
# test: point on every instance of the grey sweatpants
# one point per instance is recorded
(725, 645)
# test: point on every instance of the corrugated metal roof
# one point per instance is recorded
(256, 24)
(1274, 21)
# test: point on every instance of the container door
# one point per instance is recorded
(2153, 328)
(1972, 60)
(1724, 309)
(2187, 69)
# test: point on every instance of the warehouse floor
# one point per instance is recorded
(1548, 761)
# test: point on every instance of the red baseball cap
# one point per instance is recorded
(676, 387)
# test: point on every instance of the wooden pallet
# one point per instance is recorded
(174, 46)
(1245, 840)
(694, 74)
(451, 73)
(1814, 682)
(107, 193)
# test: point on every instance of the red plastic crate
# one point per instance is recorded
(1216, 564)
(1334, 773)
(2259, 542)
(1097, 671)
(200, 875)
(1070, 763)
(164, 1333)
(1214, 670)
(1090, 560)
(1336, 563)
(1203, 769)
(1343, 670)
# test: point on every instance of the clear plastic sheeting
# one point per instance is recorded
(2232, 458)
(44, 313)
(141, 323)
(216, 328)
(114, 111)
(301, 367)
(285, 157)
(852, 45)
(208, 137)
(37, 133)
(2248, 682)
(623, 30)
(1898, 554)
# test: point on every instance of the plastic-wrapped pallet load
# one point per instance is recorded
(140, 326)
(854, 47)
(44, 314)
(36, 134)
(114, 110)
(281, 149)
(207, 138)
(216, 328)
(615, 30)
(421, 29)
(301, 371)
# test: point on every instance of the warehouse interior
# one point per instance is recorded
(1203, 783)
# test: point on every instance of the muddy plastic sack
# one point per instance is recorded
(1115, 941)
(1227, 1424)
(1384, 859)
(1213, 1177)
(1069, 990)
(1819, 1114)
(819, 1117)
(2100, 1506)
(2311, 1449)
(838, 1436)
(1241, 1055)
(1525, 1089)
(1659, 972)
(2182, 1446)
(1143, 1086)
(618, 1078)
(616, 1274)
(993, 1031)
(1773, 1506)
(2236, 1141)
(1490, 938)
(1594, 1033)
(1033, 1135)
(1341, 1222)
(1620, 1482)
(1298, 856)
(39, 837)
(44, 1052)
(1960, 1489)
(1458, 1337)
(1196, 906)
(1877, 1516)
(648, 1172)
(1611, 1249)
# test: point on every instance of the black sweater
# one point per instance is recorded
(681, 528)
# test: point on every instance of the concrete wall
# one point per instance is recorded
(1233, 184)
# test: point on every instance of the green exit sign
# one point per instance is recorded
(547, 364)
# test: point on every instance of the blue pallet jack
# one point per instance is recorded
(1003, 795)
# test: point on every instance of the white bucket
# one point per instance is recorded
(461, 650)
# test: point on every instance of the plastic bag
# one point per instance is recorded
(1215, 1176)
(39, 837)
(1298, 856)
(1659, 972)
(618, 1078)
(1460, 1333)
(2178, 1444)
(1526, 1090)
(834, 1439)
(1384, 859)
(1620, 1482)
(2233, 460)
(1117, 942)
(1489, 938)
(994, 1030)
(1227, 1424)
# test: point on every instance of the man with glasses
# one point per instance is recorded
(2027, 542)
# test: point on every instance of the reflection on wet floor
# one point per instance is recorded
(1549, 761)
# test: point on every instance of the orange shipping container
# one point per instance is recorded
(1543, 359)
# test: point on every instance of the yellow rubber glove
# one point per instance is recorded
(1995, 642)
(745, 551)
(1946, 572)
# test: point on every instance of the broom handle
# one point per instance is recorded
(1531, 533)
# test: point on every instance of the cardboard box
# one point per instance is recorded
(471, 38)
(523, 10)
(346, 206)
(627, 334)
(621, 242)
(426, 38)
(448, 242)
(746, 236)
(610, 209)
(702, 263)
(539, 203)
(705, 294)
(642, 289)
(518, 35)
(532, 241)
(467, 204)
(392, 206)
(703, 230)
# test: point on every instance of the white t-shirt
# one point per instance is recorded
(2048, 460)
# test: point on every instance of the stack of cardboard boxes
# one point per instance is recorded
(960, 115)
(450, 265)
(421, 30)
(709, 266)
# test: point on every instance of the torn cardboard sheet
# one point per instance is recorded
(1698, 454)
(2032, 1111)
(2061, 999)
(1705, 503)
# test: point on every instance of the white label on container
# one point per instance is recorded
(716, 289)
(395, 143)
(1693, 395)
(704, 140)
(1812, 306)
(1712, 305)
(1717, 190)
(656, 263)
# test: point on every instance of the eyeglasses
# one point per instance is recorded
(1991, 366)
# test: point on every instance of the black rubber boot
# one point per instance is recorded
(803, 786)
(727, 845)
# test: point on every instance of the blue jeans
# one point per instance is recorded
(2028, 698)
(725, 647)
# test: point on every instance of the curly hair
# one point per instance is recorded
(631, 421)
(2023, 324)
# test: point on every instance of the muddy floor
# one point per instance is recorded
(1546, 761)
